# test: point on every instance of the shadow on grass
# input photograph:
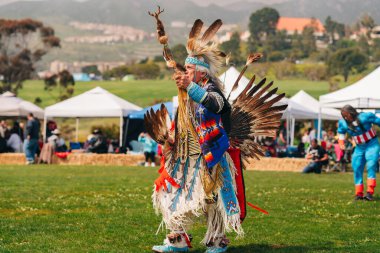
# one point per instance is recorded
(257, 248)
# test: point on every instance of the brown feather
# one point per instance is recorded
(253, 58)
(196, 29)
(211, 31)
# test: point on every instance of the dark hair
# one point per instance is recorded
(30, 114)
(314, 140)
(351, 110)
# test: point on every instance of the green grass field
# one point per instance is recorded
(108, 209)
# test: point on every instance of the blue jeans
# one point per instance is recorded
(30, 149)
(315, 167)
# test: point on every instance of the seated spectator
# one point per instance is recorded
(3, 145)
(318, 156)
(14, 142)
(301, 150)
(98, 143)
(269, 147)
(281, 143)
(57, 141)
(150, 148)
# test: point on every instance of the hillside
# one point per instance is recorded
(133, 13)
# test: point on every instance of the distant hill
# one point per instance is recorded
(133, 12)
(59, 13)
(125, 12)
(347, 11)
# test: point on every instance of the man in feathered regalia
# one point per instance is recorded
(197, 174)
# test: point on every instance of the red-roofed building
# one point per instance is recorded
(291, 25)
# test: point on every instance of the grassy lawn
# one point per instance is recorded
(97, 209)
(141, 92)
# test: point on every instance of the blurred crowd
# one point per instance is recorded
(19, 137)
(327, 149)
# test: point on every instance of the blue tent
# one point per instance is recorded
(140, 114)
(81, 77)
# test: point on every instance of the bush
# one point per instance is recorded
(109, 131)
(145, 70)
(276, 56)
(284, 69)
(315, 72)
(334, 82)
(261, 69)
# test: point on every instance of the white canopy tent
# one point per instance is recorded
(364, 94)
(312, 104)
(92, 104)
(12, 106)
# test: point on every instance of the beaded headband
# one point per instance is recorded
(193, 60)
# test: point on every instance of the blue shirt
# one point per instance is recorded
(149, 144)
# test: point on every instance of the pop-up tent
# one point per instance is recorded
(140, 114)
(12, 106)
(94, 103)
(364, 94)
(312, 104)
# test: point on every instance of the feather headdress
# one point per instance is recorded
(204, 48)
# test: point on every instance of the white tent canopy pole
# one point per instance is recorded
(76, 129)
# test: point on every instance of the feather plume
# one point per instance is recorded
(211, 31)
(253, 115)
(196, 29)
(250, 59)
(157, 124)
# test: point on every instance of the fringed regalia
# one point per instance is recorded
(197, 174)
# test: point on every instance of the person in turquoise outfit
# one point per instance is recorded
(360, 127)
(150, 148)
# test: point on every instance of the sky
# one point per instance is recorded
(199, 2)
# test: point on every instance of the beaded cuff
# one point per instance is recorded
(196, 92)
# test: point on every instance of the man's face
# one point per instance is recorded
(192, 74)
(314, 144)
(347, 116)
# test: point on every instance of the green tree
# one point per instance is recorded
(367, 22)
(145, 70)
(375, 48)
(347, 60)
(22, 44)
(117, 72)
(64, 81)
(179, 53)
(91, 69)
(263, 23)
(308, 41)
(363, 45)
(233, 46)
(333, 27)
